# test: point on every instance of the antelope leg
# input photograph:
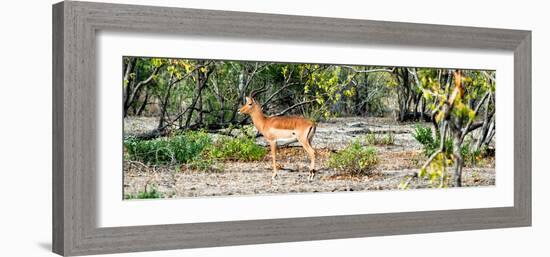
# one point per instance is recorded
(273, 157)
(311, 152)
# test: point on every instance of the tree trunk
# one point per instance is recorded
(130, 84)
(144, 104)
(403, 94)
(357, 101)
(218, 94)
(242, 88)
(202, 78)
(422, 108)
(459, 162)
(164, 105)
(487, 125)
(200, 108)
(416, 102)
(135, 90)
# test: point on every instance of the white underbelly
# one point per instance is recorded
(286, 141)
(282, 133)
(283, 136)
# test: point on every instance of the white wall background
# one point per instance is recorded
(25, 128)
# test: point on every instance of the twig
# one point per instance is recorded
(432, 157)
(277, 92)
(140, 163)
(294, 106)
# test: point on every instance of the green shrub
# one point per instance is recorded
(355, 158)
(181, 148)
(371, 139)
(380, 139)
(236, 149)
(147, 194)
(194, 149)
(470, 156)
(425, 137)
(388, 139)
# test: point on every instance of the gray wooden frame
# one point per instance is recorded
(75, 25)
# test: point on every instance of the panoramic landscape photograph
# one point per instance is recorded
(208, 128)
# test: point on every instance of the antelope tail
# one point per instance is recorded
(311, 133)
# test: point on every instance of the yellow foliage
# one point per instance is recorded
(436, 171)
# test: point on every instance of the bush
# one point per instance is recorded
(194, 149)
(182, 148)
(371, 139)
(355, 158)
(471, 156)
(152, 194)
(388, 139)
(236, 149)
(375, 139)
(425, 137)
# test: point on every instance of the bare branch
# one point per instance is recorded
(258, 91)
(277, 92)
(432, 157)
(187, 74)
(441, 146)
(489, 76)
(474, 126)
(132, 96)
(294, 106)
(129, 67)
(466, 129)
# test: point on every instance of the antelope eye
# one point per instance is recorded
(250, 104)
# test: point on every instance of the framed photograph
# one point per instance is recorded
(181, 128)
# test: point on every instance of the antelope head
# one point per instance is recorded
(250, 106)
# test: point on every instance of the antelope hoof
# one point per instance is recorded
(274, 176)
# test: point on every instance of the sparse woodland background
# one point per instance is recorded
(203, 96)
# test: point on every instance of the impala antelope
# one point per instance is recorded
(281, 128)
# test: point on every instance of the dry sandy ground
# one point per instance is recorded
(397, 163)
